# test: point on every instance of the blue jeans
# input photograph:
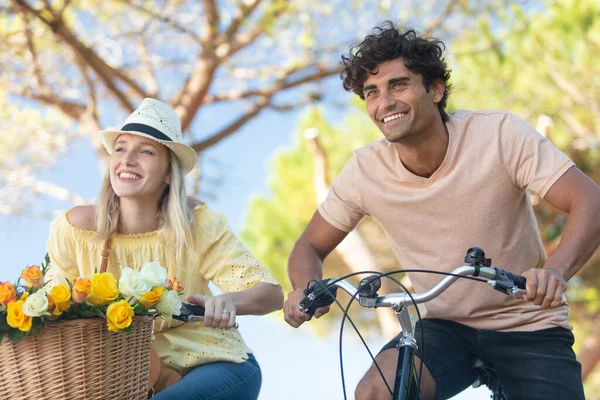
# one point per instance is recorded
(217, 381)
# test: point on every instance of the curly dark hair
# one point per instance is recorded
(421, 56)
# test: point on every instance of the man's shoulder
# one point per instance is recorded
(462, 115)
(377, 148)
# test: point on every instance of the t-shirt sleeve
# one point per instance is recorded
(342, 207)
(531, 160)
(227, 262)
(60, 248)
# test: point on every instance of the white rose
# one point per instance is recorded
(155, 274)
(36, 304)
(132, 283)
(169, 304)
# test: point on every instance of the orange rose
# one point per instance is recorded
(16, 318)
(81, 289)
(33, 277)
(51, 304)
(7, 293)
(174, 284)
(150, 298)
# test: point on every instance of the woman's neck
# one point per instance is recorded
(135, 217)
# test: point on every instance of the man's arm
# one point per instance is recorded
(306, 264)
(577, 195)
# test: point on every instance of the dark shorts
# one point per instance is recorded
(529, 365)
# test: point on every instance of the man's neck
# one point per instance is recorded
(136, 217)
(424, 156)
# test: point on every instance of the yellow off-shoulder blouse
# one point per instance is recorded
(222, 259)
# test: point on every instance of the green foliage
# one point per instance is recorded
(275, 221)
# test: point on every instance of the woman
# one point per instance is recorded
(142, 214)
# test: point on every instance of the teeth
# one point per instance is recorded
(393, 117)
(127, 175)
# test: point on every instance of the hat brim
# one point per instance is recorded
(187, 156)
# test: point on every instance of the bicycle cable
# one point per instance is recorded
(353, 297)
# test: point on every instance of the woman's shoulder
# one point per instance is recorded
(207, 221)
(82, 217)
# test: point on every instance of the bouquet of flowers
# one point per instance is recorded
(26, 305)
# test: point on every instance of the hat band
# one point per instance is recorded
(148, 130)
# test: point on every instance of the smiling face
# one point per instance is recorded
(139, 168)
(399, 104)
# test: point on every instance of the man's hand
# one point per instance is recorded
(545, 287)
(219, 312)
(293, 316)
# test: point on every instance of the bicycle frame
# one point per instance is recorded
(405, 381)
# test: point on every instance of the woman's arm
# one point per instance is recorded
(221, 310)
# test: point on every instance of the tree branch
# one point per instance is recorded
(435, 24)
(280, 85)
(148, 72)
(239, 42)
(191, 95)
(212, 21)
(168, 20)
(256, 108)
(72, 110)
(242, 13)
(103, 70)
(570, 89)
(19, 180)
(34, 67)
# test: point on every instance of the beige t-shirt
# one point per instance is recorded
(477, 197)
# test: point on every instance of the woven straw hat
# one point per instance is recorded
(155, 120)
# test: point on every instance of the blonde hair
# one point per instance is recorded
(175, 216)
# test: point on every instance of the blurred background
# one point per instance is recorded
(256, 83)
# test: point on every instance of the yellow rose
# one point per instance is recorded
(33, 277)
(61, 296)
(81, 289)
(152, 297)
(104, 289)
(16, 318)
(7, 293)
(119, 315)
(24, 296)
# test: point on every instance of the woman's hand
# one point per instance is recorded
(220, 312)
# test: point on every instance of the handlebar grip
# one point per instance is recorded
(322, 296)
(188, 310)
(520, 281)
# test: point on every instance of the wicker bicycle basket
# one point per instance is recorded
(78, 359)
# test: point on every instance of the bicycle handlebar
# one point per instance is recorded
(192, 313)
(323, 293)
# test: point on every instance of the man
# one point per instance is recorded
(439, 184)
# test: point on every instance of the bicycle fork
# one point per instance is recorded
(405, 382)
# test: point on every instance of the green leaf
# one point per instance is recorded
(36, 325)
(15, 335)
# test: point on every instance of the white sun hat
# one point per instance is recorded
(155, 120)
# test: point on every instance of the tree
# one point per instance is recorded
(70, 67)
(76, 66)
